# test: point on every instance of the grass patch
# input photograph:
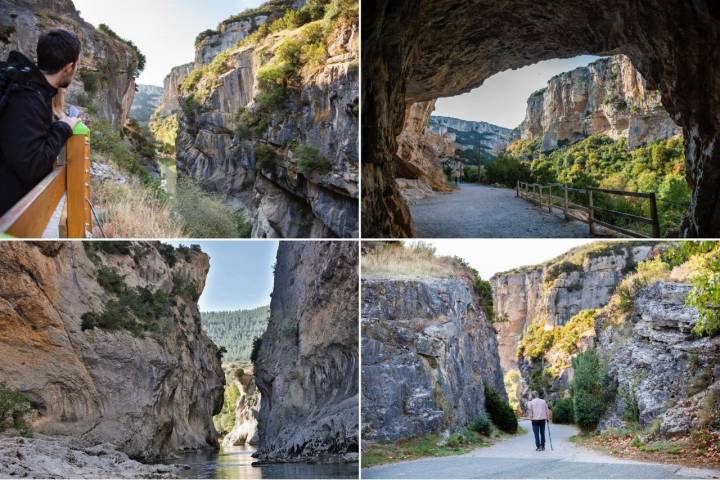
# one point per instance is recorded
(414, 448)
(206, 215)
(411, 260)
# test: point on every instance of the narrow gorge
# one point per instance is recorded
(633, 306)
(267, 115)
(123, 380)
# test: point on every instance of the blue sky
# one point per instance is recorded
(241, 274)
(502, 99)
(164, 30)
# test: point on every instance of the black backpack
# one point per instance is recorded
(12, 79)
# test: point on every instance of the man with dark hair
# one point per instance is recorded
(32, 132)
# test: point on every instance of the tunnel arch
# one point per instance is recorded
(419, 50)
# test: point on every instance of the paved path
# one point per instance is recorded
(479, 211)
(516, 458)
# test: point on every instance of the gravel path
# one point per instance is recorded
(478, 211)
(516, 458)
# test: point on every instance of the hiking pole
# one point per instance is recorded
(549, 436)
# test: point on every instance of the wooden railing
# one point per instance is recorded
(544, 196)
(31, 215)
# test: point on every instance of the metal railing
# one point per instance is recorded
(31, 215)
(544, 196)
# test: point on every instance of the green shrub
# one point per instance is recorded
(309, 160)
(110, 280)
(265, 157)
(591, 389)
(705, 296)
(482, 424)
(183, 287)
(500, 412)
(91, 81)
(563, 411)
(15, 410)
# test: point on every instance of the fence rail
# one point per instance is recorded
(31, 215)
(543, 196)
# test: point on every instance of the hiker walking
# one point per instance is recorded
(539, 414)
(33, 127)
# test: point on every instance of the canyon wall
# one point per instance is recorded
(608, 97)
(469, 134)
(420, 153)
(553, 292)
(261, 171)
(428, 353)
(247, 406)
(104, 81)
(672, 374)
(307, 367)
(105, 341)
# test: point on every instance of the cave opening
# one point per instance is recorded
(417, 51)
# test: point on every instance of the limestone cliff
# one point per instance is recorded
(293, 168)
(468, 134)
(105, 341)
(105, 80)
(307, 368)
(672, 375)
(607, 97)
(428, 350)
(553, 292)
(421, 150)
(246, 407)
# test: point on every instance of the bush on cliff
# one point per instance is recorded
(591, 389)
(15, 410)
(562, 411)
(500, 412)
(310, 161)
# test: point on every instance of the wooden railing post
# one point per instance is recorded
(591, 211)
(654, 216)
(549, 199)
(565, 205)
(79, 224)
(517, 189)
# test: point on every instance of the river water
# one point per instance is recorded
(236, 462)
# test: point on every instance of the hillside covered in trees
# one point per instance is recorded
(236, 330)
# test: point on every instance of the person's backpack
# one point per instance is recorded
(12, 79)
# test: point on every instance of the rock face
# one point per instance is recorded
(171, 90)
(420, 50)
(66, 457)
(105, 76)
(468, 134)
(607, 97)
(246, 411)
(148, 394)
(147, 98)
(307, 368)
(555, 291)
(427, 351)
(278, 198)
(673, 374)
(420, 150)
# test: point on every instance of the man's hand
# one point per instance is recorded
(72, 121)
